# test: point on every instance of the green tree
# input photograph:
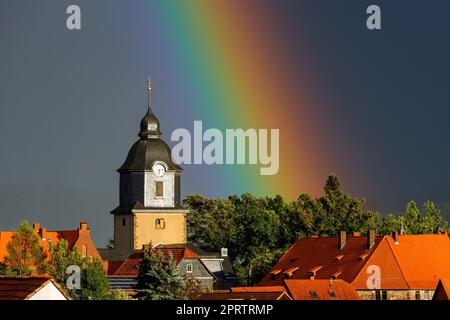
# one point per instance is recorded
(25, 253)
(61, 258)
(159, 278)
(211, 223)
(343, 213)
(257, 230)
(390, 223)
(94, 283)
(413, 218)
(432, 219)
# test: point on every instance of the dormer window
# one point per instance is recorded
(224, 252)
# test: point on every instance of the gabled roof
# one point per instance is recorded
(413, 262)
(130, 266)
(71, 236)
(442, 291)
(423, 259)
(320, 290)
(308, 254)
(22, 288)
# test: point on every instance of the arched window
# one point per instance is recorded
(83, 250)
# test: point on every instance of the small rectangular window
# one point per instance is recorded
(159, 189)
(377, 295)
(384, 295)
(160, 223)
(426, 295)
(417, 295)
(189, 268)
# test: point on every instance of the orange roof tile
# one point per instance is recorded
(322, 251)
(258, 289)
(320, 290)
(423, 259)
(5, 238)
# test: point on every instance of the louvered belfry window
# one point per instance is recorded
(159, 189)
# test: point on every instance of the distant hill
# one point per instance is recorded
(58, 208)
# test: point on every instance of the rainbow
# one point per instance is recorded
(238, 75)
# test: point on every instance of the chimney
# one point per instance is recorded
(83, 226)
(342, 240)
(370, 239)
(42, 231)
(36, 227)
(395, 237)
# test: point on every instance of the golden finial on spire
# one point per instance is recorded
(149, 84)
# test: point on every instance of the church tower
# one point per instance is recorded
(149, 208)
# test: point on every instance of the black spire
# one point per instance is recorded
(149, 124)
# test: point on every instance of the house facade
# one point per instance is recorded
(31, 288)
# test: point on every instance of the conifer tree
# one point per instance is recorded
(159, 278)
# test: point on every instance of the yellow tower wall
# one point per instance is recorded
(171, 229)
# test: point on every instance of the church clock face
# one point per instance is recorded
(158, 169)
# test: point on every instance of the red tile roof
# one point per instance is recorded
(113, 266)
(320, 290)
(130, 267)
(415, 262)
(21, 288)
(312, 253)
(290, 290)
(71, 236)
